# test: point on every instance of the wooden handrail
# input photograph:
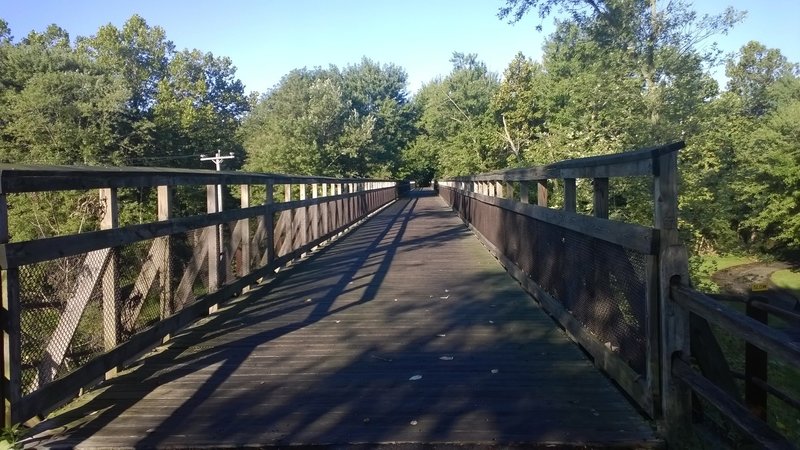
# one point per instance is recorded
(16, 178)
(757, 429)
(641, 162)
(768, 339)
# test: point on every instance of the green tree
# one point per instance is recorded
(352, 122)
(457, 123)
(657, 44)
(517, 107)
(753, 72)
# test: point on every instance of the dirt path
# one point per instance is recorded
(739, 280)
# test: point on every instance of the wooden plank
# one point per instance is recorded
(634, 237)
(764, 436)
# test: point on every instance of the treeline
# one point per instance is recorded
(614, 76)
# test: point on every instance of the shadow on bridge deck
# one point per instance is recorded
(407, 332)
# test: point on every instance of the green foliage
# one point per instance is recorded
(10, 436)
(457, 123)
(352, 122)
(120, 97)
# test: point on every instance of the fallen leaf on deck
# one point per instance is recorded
(446, 358)
(415, 378)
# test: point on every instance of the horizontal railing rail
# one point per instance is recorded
(762, 341)
(77, 307)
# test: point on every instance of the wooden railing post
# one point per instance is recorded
(112, 316)
(542, 193)
(324, 207)
(524, 192)
(303, 218)
(756, 363)
(10, 384)
(269, 224)
(288, 240)
(674, 320)
(315, 213)
(244, 233)
(570, 195)
(165, 207)
(214, 244)
(601, 198)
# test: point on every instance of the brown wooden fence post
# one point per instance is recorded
(112, 317)
(756, 362)
(303, 218)
(524, 192)
(674, 320)
(10, 384)
(542, 193)
(601, 198)
(269, 224)
(214, 244)
(165, 206)
(315, 212)
(244, 233)
(324, 208)
(570, 195)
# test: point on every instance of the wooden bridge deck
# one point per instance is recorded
(405, 332)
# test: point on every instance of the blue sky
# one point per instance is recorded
(266, 39)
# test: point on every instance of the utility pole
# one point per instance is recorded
(217, 159)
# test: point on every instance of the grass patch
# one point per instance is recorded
(703, 266)
(787, 279)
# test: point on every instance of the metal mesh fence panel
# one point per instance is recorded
(54, 297)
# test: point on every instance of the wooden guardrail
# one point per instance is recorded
(119, 290)
(618, 289)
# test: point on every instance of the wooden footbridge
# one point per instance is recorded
(357, 313)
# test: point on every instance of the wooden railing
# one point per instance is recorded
(620, 290)
(119, 290)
